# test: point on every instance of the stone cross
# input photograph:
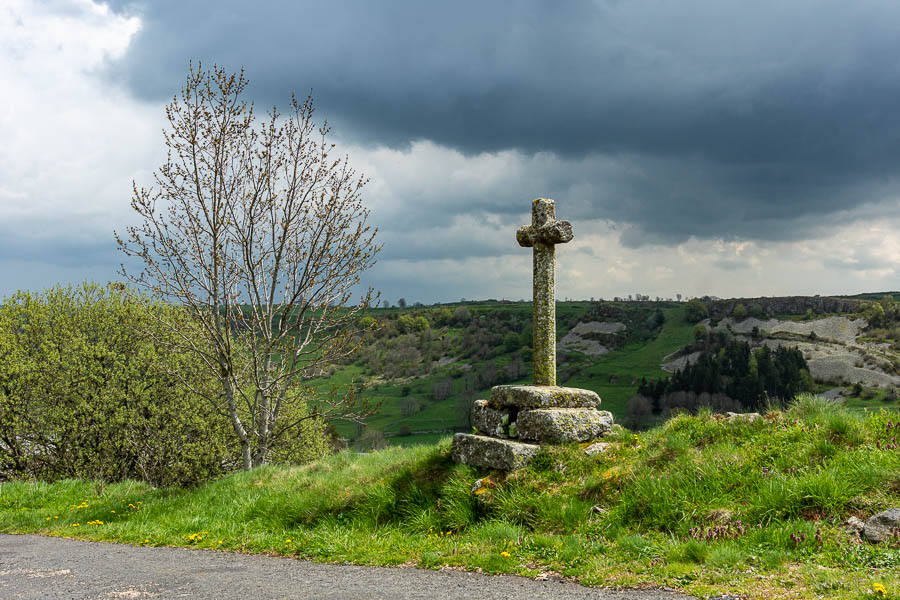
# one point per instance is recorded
(543, 234)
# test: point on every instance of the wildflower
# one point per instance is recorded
(75, 525)
(113, 512)
(220, 542)
(506, 554)
(146, 540)
(879, 589)
(285, 541)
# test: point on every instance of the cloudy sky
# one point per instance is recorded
(730, 148)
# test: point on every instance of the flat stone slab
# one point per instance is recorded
(563, 425)
(487, 420)
(491, 453)
(542, 396)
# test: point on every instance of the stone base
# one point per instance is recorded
(487, 420)
(563, 425)
(542, 396)
(491, 453)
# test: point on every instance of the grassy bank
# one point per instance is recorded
(699, 504)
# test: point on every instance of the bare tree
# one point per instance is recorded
(262, 235)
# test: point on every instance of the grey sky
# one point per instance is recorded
(662, 125)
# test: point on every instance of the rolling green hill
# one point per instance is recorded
(424, 366)
(426, 378)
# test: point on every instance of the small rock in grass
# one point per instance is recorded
(720, 515)
(854, 526)
(596, 448)
(732, 416)
(482, 485)
(881, 526)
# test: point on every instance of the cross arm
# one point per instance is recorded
(556, 232)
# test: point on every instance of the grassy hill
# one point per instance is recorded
(425, 365)
(701, 504)
(425, 380)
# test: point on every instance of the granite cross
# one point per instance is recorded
(543, 234)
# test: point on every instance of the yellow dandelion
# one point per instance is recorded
(879, 589)
(505, 554)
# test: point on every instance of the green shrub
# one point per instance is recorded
(695, 311)
(82, 394)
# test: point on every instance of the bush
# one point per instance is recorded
(699, 332)
(443, 317)
(406, 324)
(461, 317)
(695, 311)
(82, 395)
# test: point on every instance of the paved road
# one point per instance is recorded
(34, 567)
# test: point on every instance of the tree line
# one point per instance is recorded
(732, 376)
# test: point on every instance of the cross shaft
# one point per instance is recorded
(543, 234)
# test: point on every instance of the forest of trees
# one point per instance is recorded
(731, 376)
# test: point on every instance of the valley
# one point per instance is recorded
(425, 365)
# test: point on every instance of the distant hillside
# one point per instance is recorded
(427, 364)
(789, 305)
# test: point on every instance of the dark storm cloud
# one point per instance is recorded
(761, 119)
(47, 240)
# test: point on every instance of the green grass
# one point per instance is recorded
(873, 400)
(633, 362)
(698, 504)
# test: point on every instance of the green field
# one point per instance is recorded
(633, 362)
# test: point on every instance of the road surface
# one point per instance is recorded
(33, 567)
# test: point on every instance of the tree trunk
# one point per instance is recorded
(246, 461)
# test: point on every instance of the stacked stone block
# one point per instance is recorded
(516, 419)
